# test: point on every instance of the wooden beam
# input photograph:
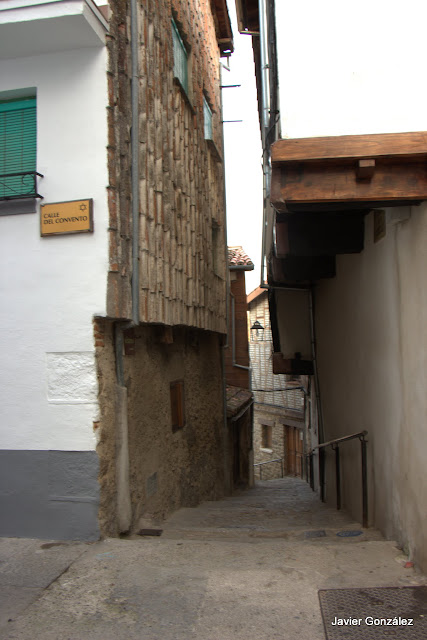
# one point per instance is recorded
(381, 145)
(365, 169)
(320, 182)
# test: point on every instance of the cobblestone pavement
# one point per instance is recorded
(245, 568)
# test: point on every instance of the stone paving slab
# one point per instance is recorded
(27, 567)
(218, 572)
(162, 589)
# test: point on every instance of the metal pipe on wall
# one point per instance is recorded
(135, 160)
(124, 507)
(265, 121)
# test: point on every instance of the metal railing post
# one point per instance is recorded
(337, 475)
(322, 474)
(311, 470)
(364, 483)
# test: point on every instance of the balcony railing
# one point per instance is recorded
(17, 186)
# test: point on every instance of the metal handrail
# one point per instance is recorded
(332, 442)
(361, 435)
(259, 464)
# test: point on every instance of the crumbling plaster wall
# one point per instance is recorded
(168, 470)
(372, 357)
(182, 219)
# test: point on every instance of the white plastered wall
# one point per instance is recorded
(52, 287)
(351, 68)
(372, 358)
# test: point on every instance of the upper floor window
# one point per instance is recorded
(180, 58)
(18, 142)
(207, 116)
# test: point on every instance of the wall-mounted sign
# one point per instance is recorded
(66, 217)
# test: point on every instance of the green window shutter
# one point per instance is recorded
(18, 145)
(207, 116)
(180, 58)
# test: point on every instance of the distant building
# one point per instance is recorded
(279, 418)
(237, 370)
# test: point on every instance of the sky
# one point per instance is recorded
(243, 153)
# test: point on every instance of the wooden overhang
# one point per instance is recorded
(319, 234)
(349, 172)
(247, 16)
(223, 26)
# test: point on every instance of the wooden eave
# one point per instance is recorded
(345, 170)
(224, 31)
(247, 16)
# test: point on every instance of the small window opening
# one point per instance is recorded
(177, 404)
(266, 436)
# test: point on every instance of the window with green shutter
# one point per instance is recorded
(180, 58)
(18, 140)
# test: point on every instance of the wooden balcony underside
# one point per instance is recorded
(383, 168)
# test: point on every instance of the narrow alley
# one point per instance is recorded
(245, 568)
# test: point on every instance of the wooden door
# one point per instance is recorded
(294, 451)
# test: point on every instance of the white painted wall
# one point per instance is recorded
(372, 358)
(351, 68)
(51, 287)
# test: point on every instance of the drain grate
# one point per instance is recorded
(321, 533)
(349, 534)
(392, 613)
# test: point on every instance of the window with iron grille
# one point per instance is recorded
(180, 58)
(207, 115)
(18, 142)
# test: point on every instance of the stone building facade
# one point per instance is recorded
(115, 331)
(180, 181)
(279, 433)
(162, 424)
(237, 373)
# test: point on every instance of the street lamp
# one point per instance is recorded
(257, 331)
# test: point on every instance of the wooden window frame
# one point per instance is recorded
(18, 142)
(181, 71)
(207, 119)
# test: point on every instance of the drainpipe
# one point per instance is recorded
(314, 357)
(265, 120)
(135, 164)
(227, 455)
(124, 507)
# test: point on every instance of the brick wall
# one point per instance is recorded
(180, 174)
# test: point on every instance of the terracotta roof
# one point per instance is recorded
(255, 293)
(238, 259)
(237, 399)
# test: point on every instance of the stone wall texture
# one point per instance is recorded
(168, 468)
(182, 267)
